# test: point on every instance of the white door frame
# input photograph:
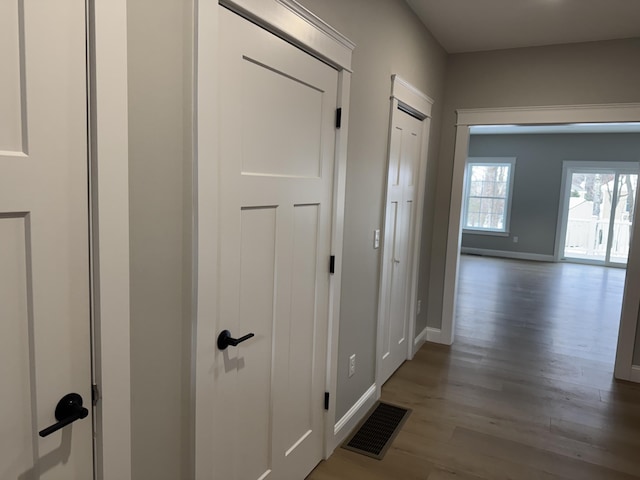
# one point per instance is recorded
(405, 95)
(291, 21)
(109, 207)
(624, 368)
(568, 167)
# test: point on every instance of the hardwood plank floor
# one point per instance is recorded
(525, 392)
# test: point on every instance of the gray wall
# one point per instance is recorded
(585, 73)
(538, 178)
(159, 39)
(389, 39)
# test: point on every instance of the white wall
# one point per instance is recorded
(389, 39)
(160, 78)
(586, 73)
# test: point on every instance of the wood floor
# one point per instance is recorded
(526, 391)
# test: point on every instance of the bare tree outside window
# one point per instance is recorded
(487, 200)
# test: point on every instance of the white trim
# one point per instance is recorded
(488, 161)
(536, 257)
(602, 165)
(318, 24)
(429, 334)
(289, 20)
(635, 373)
(454, 236)
(410, 96)
(421, 338)
(540, 115)
(355, 414)
(434, 335)
(335, 285)
(206, 191)
(490, 233)
(612, 113)
(563, 205)
(110, 213)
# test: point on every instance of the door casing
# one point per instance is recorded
(614, 113)
(109, 223)
(291, 21)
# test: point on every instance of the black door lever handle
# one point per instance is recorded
(225, 339)
(68, 410)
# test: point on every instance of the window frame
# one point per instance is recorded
(489, 161)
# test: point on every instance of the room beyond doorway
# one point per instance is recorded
(556, 309)
(528, 116)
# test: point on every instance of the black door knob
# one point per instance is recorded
(68, 410)
(225, 339)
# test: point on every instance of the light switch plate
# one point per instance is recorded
(376, 238)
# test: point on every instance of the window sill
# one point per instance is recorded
(485, 232)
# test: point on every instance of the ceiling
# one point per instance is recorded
(475, 25)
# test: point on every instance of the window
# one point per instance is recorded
(487, 200)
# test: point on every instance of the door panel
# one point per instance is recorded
(256, 303)
(277, 146)
(303, 128)
(16, 349)
(303, 324)
(404, 155)
(44, 268)
(11, 94)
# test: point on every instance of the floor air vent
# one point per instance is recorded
(375, 435)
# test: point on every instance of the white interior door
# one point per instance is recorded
(277, 110)
(44, 272)
(404, 161)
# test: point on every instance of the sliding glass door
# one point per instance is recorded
(598, 211)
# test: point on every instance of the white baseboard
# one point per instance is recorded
(434, 335)
(505, 254)
(635, 373)
(421, 338)
(350, 420)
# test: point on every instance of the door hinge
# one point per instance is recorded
(95, 395)
(326, 400)
(338, 117)
(332, 264)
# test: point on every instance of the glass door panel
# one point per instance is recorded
(591, 195)
(623, 217)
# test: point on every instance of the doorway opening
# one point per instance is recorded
(571, 116)
(533, 197)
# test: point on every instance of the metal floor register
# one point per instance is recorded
(376, 433)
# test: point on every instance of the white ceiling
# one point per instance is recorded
(474, 25)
